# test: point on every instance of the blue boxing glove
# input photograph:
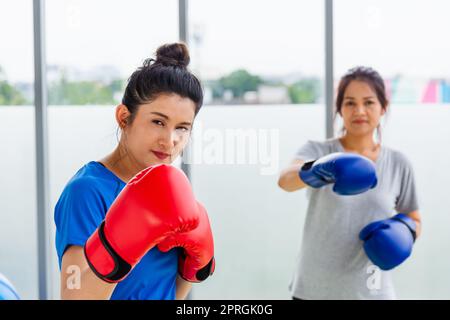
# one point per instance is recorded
(7, 290)
(389, 242)
(351, 173)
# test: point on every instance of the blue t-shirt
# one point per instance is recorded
(81, 208)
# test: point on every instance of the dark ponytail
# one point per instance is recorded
(166, 75)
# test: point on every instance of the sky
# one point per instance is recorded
(267, 37)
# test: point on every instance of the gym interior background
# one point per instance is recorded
(268, 68)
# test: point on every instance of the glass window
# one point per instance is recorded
(266, 59)
(258, 52)
(18, 233)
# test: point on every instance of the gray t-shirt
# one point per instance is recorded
(332, 263)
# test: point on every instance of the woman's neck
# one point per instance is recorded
(364, 145)
(120, 163)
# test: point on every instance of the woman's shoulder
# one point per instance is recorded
(313, 149)
(86, 190)
(90, 179)
(322, 143)
(397, 157)
(325, 146)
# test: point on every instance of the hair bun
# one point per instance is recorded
(173, 54)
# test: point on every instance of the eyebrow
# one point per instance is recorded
(369, 97)
(160, 114)
(167, 118)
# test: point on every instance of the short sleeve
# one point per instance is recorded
(309, 151)
(78, 212)
(407, 198)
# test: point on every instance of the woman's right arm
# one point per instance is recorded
(78, 281)
(289, 179)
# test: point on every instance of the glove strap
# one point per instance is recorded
(408, 222)
(308, 177)
(121, 267)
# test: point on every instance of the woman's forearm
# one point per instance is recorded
(415, 215)
(289, 178)
(182, 288)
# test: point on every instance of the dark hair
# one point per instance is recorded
(367, 75)
(166, 75)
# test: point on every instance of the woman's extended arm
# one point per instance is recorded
(289, 179)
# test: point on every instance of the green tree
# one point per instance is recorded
(8, 94)
(239, 82)
(117, 85)
(81, 93)
(216, 88)
(305, 91)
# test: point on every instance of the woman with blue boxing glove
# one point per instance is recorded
(362, 218)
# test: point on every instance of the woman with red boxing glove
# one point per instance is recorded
(128, 226)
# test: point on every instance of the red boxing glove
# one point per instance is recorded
(197, 262)
(154, 204)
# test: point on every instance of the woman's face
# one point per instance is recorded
(160, 130)
(361, 110)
